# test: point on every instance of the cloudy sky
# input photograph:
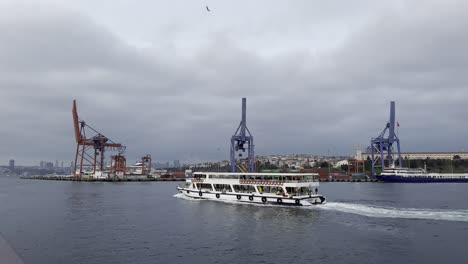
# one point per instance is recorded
(167, 77)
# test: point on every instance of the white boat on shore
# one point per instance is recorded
(264, 188)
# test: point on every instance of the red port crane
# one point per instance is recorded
(90, 149)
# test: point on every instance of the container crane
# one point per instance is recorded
(91, 146)
(381, 147)
(241, 137)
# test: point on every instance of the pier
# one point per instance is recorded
(143, 179)
(84, 179)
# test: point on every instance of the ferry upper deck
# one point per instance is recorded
(283, 177)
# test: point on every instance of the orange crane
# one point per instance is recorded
(90, 149)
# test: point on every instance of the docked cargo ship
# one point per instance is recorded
(300, 189)
(419, 175)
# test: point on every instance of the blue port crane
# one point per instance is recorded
(241, 137)
(381, 147)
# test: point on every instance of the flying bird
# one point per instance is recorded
(207, 9)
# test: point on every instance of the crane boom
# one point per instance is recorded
(76, 123)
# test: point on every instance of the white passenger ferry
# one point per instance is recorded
(264, 188)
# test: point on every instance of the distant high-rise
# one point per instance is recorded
(56, 163)
(12, 164)
(49, 165)
(176, 164)
(42, 164)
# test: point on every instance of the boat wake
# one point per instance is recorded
(393, 212)
(185, 197)
(367, 210)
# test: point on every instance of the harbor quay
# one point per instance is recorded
(151, 179)
(83, 179)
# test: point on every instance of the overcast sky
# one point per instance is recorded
(167, 77)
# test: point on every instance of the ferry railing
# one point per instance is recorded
(299, 181)
(273, 182)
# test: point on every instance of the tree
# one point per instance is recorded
(344, 167)
(324, 164)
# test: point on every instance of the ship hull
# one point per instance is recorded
(395, 178)
(253, 198)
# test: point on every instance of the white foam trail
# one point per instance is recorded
(365, 210)
(392, 212)
(185, 197)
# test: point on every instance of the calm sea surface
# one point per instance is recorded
(70, 222)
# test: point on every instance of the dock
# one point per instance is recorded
(83, 179)
(152, 179)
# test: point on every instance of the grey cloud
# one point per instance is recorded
(178, 105)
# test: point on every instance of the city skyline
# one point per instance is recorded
(317, 76)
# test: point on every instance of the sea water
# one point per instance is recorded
(148, 222)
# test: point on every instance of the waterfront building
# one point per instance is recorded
(425, 155)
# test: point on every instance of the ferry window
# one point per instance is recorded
(277, 190)
(264, 189)
(305, 191)
(309, 177)
(222, 187)
(297, 191)
(204, 186)
(244, 188)
(261, 189)
(199, 176)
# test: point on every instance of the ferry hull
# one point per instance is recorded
(254, 198)
(394, 178)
